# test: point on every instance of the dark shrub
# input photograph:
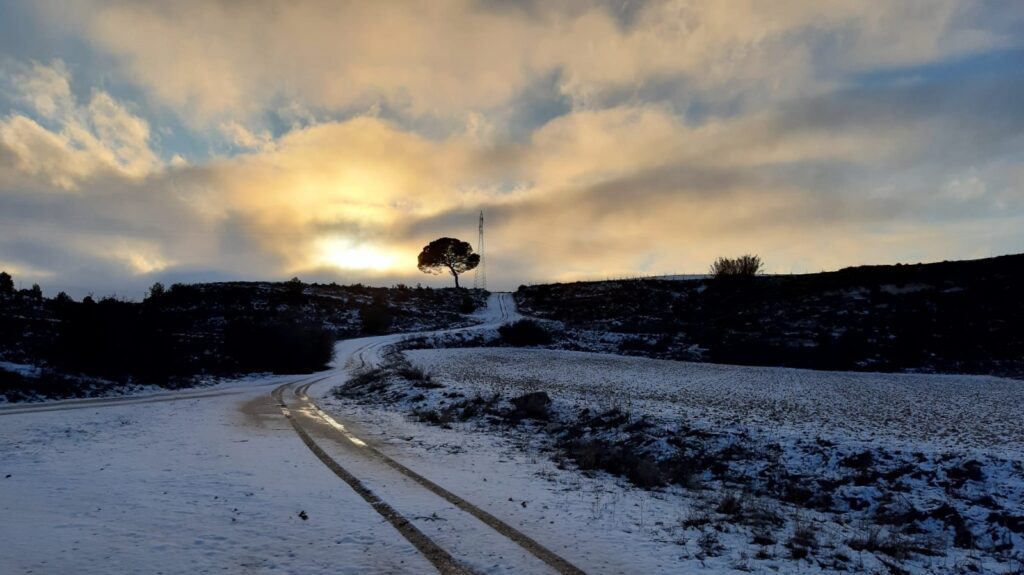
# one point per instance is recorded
(524, 332)
(467, 305)
(531, 405)
(743, 266)
(375, 319)
(280, 346)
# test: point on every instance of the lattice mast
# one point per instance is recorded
(480, 278)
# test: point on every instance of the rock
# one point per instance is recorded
(531, 405)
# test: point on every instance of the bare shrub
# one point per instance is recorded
(731, 504)
(417, 376)
(762, 537)
(803, 541)
(893, 544)
(743, 266)
(762, 514)
(695, 519)
(709, 544)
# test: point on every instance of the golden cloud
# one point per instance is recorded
(223, 58)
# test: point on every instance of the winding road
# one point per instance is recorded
(313, 424)
(452, 533)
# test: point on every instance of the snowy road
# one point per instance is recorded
(472, 540)
(276, 475)
(236, 479)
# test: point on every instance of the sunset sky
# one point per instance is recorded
(213, 140)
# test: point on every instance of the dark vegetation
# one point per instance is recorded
(955, 317)
(741, 267)
(184, 333)
(524, 332)
(447, 255)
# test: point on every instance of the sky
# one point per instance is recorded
(213, 140)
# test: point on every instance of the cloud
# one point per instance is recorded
(342, 137)
(242, 137)
(599, 193)
(78, 140)
(225, 59)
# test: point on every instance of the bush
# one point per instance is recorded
(803, 541)
(278, 346)
(375, 320)
(743, 266)
(468, 304)
(524, 332)
(709, 544)
(531, 406)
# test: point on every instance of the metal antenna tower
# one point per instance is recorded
(480, 278)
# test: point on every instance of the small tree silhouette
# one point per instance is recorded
(6, 283)
(156, 291)
(448, 254)
(743, 266)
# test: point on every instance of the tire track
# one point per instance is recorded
(306, 406)
(549, 557)
(101, 402)
(441, 559)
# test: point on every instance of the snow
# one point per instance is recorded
(815, 419)
(601, 525)
(682, 277)
(214, 479)
(975, 413)
(208, 480)
(188, 486)
(22, 369)
(904, 289)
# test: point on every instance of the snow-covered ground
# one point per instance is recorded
(924, 436)
(187, 486)
(599, 524)
(934, 412)
(217, 480)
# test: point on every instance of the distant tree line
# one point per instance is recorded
(7, 290)
(171, 336)
(953, 317)
(183, 331)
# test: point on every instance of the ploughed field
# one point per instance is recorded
(934, 412)
(748, 468)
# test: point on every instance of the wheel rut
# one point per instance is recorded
(303, 413)
(438, 557)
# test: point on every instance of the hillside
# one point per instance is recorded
(948, 317)
(182, 335)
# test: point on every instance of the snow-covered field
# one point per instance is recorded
(903, 473)
(935, 412)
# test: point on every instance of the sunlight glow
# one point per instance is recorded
(315, 412)
(346, 254)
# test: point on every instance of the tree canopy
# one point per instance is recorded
(448, 254)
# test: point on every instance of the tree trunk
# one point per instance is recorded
(456, 280)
